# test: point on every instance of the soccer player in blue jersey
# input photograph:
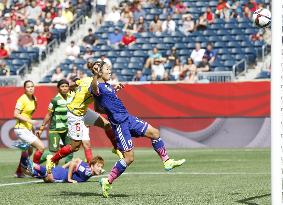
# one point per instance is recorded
(73, 172)
(124, 126)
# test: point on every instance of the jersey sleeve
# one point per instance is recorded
(20, 104)
(78, 82)
(52, 105)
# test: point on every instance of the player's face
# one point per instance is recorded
(106, 73)
(29, 89)
(64, 89)
(97, 168)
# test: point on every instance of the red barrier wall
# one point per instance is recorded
(187, 107)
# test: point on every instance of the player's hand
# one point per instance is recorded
(95, 69)
(72, 181)
(38, 133)
(119, 87)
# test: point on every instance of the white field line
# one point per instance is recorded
(157, 173)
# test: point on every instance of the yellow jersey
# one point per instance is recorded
(26, 108)
(82, 98)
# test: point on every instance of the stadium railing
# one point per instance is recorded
(240, 67)
(10, 80)
(217, 76)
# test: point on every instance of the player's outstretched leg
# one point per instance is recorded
(159, 147)
(64, 151)
(119, 167)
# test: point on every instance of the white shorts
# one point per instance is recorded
(25, 135)
(77, 125)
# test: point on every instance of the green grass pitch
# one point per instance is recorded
(210, 176)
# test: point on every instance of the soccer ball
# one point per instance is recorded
(262, 18)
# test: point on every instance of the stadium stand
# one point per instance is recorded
(237, 43)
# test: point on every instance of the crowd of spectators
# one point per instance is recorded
(162, 66)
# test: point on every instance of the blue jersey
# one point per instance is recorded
(113, 106)
(81, 174)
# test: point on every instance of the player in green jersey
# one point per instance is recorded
(57, 115)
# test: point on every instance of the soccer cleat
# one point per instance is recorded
(118, 153)
(49, 163)
(21, 145)
(30, 167)
(171, 164)
(105, 186)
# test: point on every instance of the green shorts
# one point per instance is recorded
(54, 140)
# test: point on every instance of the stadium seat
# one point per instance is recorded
(140, 53)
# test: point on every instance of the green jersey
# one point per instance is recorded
(58, 106)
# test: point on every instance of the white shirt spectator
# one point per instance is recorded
(114, 16)
(72, 51)
(158, 69)
(60, 22)
(101, 2)
(168, 25)
(197, 55)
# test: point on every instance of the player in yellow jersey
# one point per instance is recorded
(78, 118)
(25, 107)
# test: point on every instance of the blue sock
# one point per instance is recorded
(159, 147)
(119, 167)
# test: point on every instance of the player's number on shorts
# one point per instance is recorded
(78, 127)
(130, 142)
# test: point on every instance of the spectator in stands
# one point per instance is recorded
(252, 5)
(113, 16)
(209, 15)
(180, 8)
(90, 39)
(33, 12)
(68, 14)
(81, 74)
(139, 12)
(128, 39)
(168, 25)
(57, 76)
(236, 10)
(25, 39)
(188, 24)
(167, 76)
(126, 15)
(73, 74)
(247, 12)
(88, 53)
(158, 68)
(41, 42)
(139, 76)
(203, 66)
(189, 71)
(60, 25)
(72, 51)
(130, 26)
(209, 53)
(11, 45)
(48, 34)
(201, 23)
(104, 58)
(38, 27)
(154, 54)
(177, 69)
(114, 39)
(114, 79)
(156, 25)
(222, 9)
(100, 10)
(4, 69)
(197, 54)
(140, 26)
(171, 58)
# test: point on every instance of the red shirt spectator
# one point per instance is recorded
(41, 39)
(3, 52)
(209, 15)
(252, 5)
(128, 39)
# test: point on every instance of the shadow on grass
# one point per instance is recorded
(85, 194)
(249, 199)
